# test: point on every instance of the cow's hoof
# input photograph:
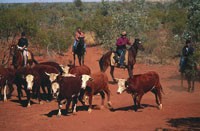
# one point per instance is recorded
(160, 107)
(40, 103)
(101, 107)
(58, 115)
(89, 110)
(141, 107)
(109, 103)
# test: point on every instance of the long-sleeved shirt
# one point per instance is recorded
(22, 42)
(121, 42)
(79, 34)
(187, 50)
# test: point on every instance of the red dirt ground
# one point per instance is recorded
(181, 110)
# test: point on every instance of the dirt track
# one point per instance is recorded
(181, 110)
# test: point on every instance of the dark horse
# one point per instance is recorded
(18, 57)
(105, 61)
(79, 50)
(189, 70)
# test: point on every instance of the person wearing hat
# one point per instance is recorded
(121, 47)
(187, 50)
(78, 35)
(22, 46)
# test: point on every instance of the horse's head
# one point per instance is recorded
(13, 49)
(138, 45)
(81, 40)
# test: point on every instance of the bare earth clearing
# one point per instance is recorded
(181, 110)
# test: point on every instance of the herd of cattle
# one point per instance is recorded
(72, 83)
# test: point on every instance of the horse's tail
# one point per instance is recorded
(101, 64)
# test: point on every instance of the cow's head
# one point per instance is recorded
(29, 80)
(55, 89)
(122, 84)
(52, 76)
(84, 79)
(65, 69)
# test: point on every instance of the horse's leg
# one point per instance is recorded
(193, 81)
(189, 84)
(83, 59)
(79, 59)
(74, 57)
(130, 71)
(112, 72)
(182, 79)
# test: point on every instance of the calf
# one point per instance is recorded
(140, 84)
(45, 81)
(30, 79)
(69, 88)
(7, 77)
(98, 85)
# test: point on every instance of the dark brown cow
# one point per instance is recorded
(7, 77)
(45, 81)
(30, 79)
(54, 64)
(69, 88)
(98, 85)
(140, 84)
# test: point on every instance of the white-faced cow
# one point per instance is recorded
(69, 88)
(140, 84)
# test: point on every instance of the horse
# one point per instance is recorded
(79, 51)
(105, 60)
(18, 60)
(189, 70)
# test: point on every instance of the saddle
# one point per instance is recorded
(114, 59)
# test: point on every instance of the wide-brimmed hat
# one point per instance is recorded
(188, 41)
(123, 33)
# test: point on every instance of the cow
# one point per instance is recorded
(7, 77)
(140, 84)
(76, 70)
(98, 85)
(30, 79)
(54, 64)
(69, 88)
(45, 79)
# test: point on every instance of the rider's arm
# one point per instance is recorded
(77, 36)
(128, 42)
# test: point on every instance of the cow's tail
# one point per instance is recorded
(35, 61)
(162, 89)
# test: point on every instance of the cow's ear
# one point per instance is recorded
(126, 83)
(91, 79)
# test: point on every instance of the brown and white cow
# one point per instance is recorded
(69, 88)
(98, 85)
(140, 84)
(30, 79)
(45, 79)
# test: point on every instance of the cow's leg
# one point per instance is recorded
(4, 92)
(139, 99)
(90, 102)
(74, 102)
(82, 59)
(19, 90)
(59, 108)
(134, 96)
(130, 71)
(11, 89)
(49, 92)
(158, 90)
(80, 97)
(68, 104)
(108, 94)
(28, 95)
(102, 99)
(38, 94)
(44, 92)
(112, 68)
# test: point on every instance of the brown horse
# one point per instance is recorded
(105, 60)
(18, 57)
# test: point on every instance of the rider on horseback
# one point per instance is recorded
(22, 46)
(187, 50)
(121, 48)
(78, 35)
